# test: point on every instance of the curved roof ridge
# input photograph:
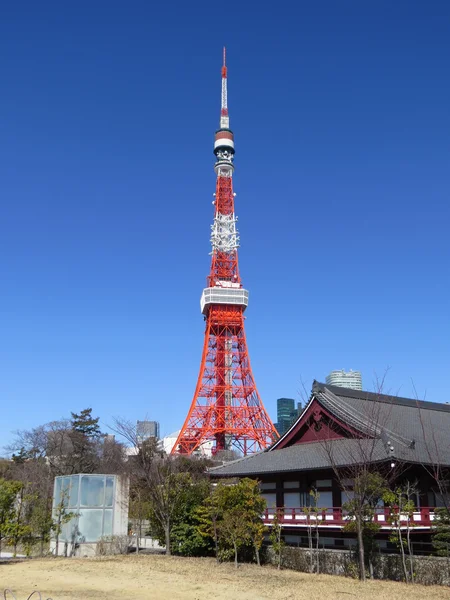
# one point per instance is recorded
(358, 419)
(384, 398)
(351, 416)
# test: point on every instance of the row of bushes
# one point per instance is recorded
(428, 570)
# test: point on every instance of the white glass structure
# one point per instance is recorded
(99, 504)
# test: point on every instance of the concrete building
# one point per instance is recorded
(100, 505)
(346, 379)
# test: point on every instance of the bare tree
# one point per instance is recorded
(165, 478)
(401, 511)
(60, 447)
(364, 463)
(70, 446)
(313, 514)
(37, 480)
(61, 517)
(139, 509)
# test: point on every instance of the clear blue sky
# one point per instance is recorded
(107, 114)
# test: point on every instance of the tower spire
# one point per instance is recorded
(224, 118)
(226, 408)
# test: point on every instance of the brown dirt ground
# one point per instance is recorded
(160, 577)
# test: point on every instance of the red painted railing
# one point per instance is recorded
(337, 517)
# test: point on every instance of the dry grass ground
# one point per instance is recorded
(160, 577)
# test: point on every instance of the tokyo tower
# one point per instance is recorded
(226, 407)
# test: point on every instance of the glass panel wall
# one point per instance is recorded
(92, 490)
(109, 492)
(90, 498)
(108, 522)
(73, 496)
(90, 524)
(57, 491)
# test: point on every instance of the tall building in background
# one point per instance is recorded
(347, 379)
(226, 408)
(146, 430)
(287, 413)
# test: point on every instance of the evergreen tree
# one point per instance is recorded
(21, 456)
(8, 496)
(19, 529)
(186, 540)
(85, 436)
(41, 521)
(368, 490)
(86, 424)
(275, 536)
(231, 517)
(208, 515)
(233, 530)
(441, 537)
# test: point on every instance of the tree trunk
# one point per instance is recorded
(235, 555)
(410, 551)
(18, 521)
(57, 544)
(258, 561)
(167, 536)
(310, 544)
(280, 549)
(402, 551)
(370, 567)
(317, 550)
(216, 541)
(138, 536)
(362, 566)
(42, 545)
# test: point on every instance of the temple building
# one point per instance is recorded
(340, 434)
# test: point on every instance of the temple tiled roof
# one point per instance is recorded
(392, 427)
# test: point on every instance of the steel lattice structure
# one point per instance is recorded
(226, 406)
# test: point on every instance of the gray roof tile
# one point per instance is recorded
(418, 431)
(313, 455)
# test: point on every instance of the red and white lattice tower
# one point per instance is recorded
(226, 407)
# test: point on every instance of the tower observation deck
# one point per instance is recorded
(226, 406)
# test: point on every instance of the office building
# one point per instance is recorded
(346, 379)
(287, 413)
(146, 430)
